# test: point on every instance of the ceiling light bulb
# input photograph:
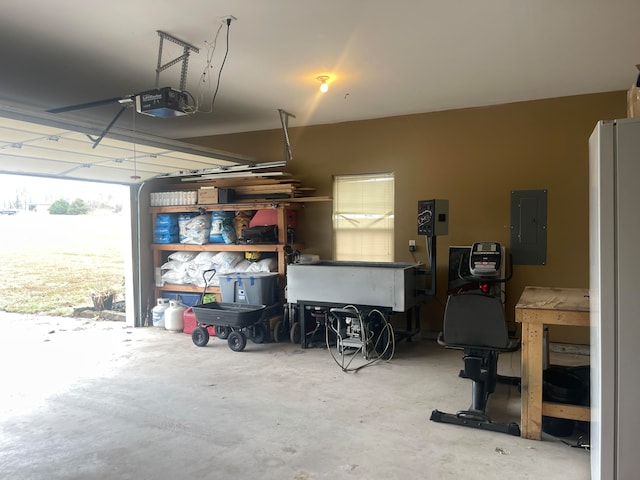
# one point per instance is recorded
(323, 83)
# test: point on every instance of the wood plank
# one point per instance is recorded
(554, 299)
(561, 410)
(286, 200)
(255, 205)
(217, 247)
(524, 384)
(321, 198)
(217, 176)
(265, 186)
(266, 189)
(531, 396)
(172, 287)
(264, 199)
(231, 183)
(554, 317)
(244, 177)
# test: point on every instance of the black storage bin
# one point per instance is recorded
(563, 386)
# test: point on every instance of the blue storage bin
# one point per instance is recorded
(188, 299)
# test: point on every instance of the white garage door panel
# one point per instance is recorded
(29, 148)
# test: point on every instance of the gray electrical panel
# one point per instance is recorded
(529, 227)
(433, 217)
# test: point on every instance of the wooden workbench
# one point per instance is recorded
(537, 307)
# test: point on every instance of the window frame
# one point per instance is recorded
(363, 229)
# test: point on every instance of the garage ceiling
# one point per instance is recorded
(384, 59)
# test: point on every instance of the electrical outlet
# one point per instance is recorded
(412, 245)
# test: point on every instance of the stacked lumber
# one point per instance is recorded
(260, 186)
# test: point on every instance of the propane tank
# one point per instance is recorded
(173, 316)
(158, 311)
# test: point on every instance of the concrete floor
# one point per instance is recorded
(82, 399)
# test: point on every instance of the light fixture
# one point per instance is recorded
(323, 83)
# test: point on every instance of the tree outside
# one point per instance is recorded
(78, 207)
(59, 207)
(62, 207)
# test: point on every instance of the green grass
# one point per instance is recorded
(51, 263)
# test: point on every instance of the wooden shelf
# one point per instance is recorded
(170, 287)
(231, 207)
(222, 247)
(160, 249)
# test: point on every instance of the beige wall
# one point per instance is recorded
(473, 158)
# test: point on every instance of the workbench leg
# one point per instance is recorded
(531, 395)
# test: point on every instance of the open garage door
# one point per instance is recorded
(34, 145)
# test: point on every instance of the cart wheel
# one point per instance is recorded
(279, 331)
(257, 333)
(294, 333)
(222, 332)
(200, 336)
(237, 341)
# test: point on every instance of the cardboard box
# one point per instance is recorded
(209, 195)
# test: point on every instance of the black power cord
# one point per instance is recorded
(224, 60)
(372, 351)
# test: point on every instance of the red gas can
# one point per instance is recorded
(190, 322)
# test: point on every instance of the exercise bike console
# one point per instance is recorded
(485, 259)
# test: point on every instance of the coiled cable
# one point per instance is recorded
(371, 345)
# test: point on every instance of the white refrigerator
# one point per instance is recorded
(614, 194)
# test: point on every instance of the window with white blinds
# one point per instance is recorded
(363, 217)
